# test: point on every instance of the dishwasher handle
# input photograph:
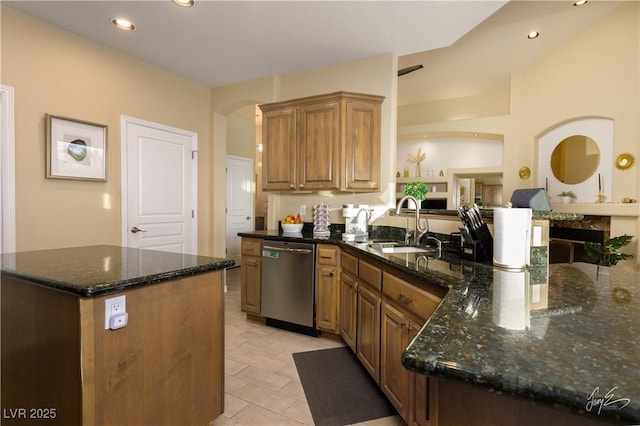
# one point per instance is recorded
(288, 249)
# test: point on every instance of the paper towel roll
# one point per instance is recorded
(511, 237)
(511, 299)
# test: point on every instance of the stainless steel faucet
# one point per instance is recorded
(419, 230)
(356, 220)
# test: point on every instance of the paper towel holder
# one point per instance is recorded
(536, 199)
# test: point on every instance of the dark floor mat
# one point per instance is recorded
(338, 388)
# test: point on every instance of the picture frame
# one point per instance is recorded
(76, 149)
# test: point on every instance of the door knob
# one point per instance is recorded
(135, 230)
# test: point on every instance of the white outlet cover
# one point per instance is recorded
(109, 304)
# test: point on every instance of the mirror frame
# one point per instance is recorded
(597, 128)
(625, 161)
(563, 161)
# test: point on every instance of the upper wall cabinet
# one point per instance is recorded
(320, 143)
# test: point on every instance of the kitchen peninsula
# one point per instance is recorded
(63, 363)
(576, 359)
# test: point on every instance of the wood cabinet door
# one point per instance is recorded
(279, 154)
(420, 410)
(250, 269)
(327, 298)
(395, 380)
(319, 147)
(368, 336)
(486, 195)
(348, 309)
(496, 195)
(362, 146)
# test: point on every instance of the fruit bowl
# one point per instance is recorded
(291, 228)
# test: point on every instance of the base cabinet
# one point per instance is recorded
(368, 337)
(453, 403)
(397, 382)
(348, 299)
(165, 367)
(405, 308)
(328, 288)
(250, 278)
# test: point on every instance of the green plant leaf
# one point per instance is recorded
(418, 190)
(607, 253)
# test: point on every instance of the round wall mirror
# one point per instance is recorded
(575, 159)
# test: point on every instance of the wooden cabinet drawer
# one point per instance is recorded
(370, 274)
(327, 255)
(251, 246)
(349, 263)
(409, 297)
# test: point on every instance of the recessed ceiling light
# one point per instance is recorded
(185, 3)
(532, 35)
(123, 24)
(580, 2)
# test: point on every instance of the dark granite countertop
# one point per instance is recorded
(97, 270)
(556, 335)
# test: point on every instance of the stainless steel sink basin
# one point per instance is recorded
(404, 249)
(396, 247)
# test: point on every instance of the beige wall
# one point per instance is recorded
(57, 72)
(241, 132)
(595, 73)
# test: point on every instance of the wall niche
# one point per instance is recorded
(577, 156)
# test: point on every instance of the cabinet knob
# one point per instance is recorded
(405, 300)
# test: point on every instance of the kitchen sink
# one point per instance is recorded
(397, 247)
(405, 249)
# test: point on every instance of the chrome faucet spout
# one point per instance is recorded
(419, 230)
(356, 220)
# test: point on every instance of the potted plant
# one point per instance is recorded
(567, 196)
(607, 253)
(417, 190)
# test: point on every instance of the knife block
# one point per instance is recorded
(482, 246)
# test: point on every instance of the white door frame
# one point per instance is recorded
(124, 121)
(8, 168)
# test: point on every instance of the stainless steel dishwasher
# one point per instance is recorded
(289, 285)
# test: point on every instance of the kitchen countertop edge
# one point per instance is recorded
(206, 264)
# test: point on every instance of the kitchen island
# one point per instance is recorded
(566, 347)
(63, 363)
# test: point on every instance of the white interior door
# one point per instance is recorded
(7, 172)
(240, 211)
(159, 187)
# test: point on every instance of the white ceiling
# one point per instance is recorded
(217, 43)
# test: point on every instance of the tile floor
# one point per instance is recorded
(262, 387)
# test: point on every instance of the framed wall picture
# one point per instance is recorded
(75, 149)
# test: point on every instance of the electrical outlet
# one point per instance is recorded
(303, 209)
(114, 307)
